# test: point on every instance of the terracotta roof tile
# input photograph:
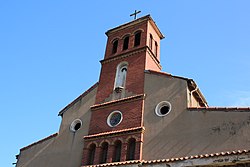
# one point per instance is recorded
(201, 156)
(228, 109)
(172, 159)
(116, 163)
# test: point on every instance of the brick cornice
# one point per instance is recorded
(119, 101)
(113, 133)
(124, 55)
(132, 53)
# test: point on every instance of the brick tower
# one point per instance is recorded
(116, 126)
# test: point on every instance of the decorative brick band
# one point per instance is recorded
(112, 133)
(123, 100)
(121, 56)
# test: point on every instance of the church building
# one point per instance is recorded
(137, 115)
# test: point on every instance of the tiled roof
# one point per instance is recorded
(198, 156)
(238, 152)
(116, 163)
(114, 132)
(227, 109)
(40, 141)
(78, 98)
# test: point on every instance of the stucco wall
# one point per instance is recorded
(185, 132)
(29, 153)
(195, 133)
(161, 88)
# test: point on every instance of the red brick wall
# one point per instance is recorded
(133, 110)
(136, 63)
(132, 117)
(134, 80)
(150, 64)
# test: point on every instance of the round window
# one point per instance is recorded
(114, 118)
(163, 108)
(76, 125)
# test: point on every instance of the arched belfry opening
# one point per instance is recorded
(131, 149)
(104, 153)
(115, 46)
(126, 43)
(91, 154)
(117, 151)
(137, 40)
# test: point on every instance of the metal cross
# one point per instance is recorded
(134, 14)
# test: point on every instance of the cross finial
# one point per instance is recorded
(134, 14)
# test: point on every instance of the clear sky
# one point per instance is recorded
(50, 52)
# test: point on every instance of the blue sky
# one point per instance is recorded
(50, 52)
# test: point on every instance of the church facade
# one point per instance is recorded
(137, 115)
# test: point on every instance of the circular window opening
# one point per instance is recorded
(114, 118)
(76, 125)
(163, 108)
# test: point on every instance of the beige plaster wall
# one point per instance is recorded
(184, 132)
(161, 88)
(66, 148)
(29, 154)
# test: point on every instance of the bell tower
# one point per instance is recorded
(116, 126)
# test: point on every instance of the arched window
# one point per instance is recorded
(91, 155)
(151, 41)
(137, 38)
(121, 74)
(131, 149)
(115, 46)
(156, 48)
(125, 43)
(117, 151)
(104, 153)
